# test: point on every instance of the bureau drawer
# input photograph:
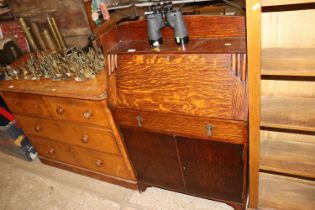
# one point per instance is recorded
(196, 127)
(84, 136)
(27, 104)
(78, 110)
(96, 161)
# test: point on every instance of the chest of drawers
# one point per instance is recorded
(71, 126)
(183, 110)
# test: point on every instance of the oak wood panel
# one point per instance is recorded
(90, 159)
(76, 110)
(94, 89)
(213, 169)
(109, 38)
(253, 25)
(288, 29)
(219, 27)
(288, 61)
(229, 131)
(83, 136)
(295, 113)
(288, 153)
(284, 2)
(104, 177)
(280, 192)
(154, 158)
(195, 85)
(223, 45)
(27, 104)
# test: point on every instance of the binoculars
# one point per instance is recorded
(174, 19)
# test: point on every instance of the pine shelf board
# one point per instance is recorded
(266, 3)
(288, 156)
(295, 113)
(285, 193)
(288, 62)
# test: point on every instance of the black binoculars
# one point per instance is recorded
(174, 19)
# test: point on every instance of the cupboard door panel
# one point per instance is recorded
(212, 169)
(154, 158)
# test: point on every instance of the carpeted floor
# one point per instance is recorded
(33, 185)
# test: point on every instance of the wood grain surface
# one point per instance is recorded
(195, 85)
(93, 160)
(84, 136)
(94, 89)
(201, 158)
(196, 127)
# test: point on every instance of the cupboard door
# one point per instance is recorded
(212, 169)
(154, 158)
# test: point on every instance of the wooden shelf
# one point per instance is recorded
(296, 113)
(285, 193)
(288, 61)
(266, 3)
(295, 157)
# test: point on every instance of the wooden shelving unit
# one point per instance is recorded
(296, 113)
(288, 153)
(288, 62)
(280, 192)
(266, 3)
(281, 52)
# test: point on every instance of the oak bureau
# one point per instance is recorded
(71, 126)
(183, 110)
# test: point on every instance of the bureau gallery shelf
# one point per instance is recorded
(288, 62)
(295, 113)
(266, 3)
(294, 156)
(285, 193)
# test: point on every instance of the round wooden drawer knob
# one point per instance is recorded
(60, 110)
(52, 151)
(99, 163)
(88, 114)
(85, 139)
(36, 106)
(37, 128)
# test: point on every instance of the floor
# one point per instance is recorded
(33, 185)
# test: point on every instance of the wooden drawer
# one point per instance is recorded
(84, 136)
(96, 161)
(204, 85)
(78, 110)
(27, 104)
(196, 127)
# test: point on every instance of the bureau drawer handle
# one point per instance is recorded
(209, 128)
(139, 121)
(52, 151)
(38, 128)
(85, 139)
(99, 163)
(60, 110)
(36, 106)
(88, 114)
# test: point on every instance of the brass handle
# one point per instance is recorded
(38, 128)
(98, 163)
(60, 110)
(139, 121)
(85, 139)
(88, 114)
(52, 151)
(209, 128)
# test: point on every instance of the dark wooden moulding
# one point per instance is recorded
(165, 99)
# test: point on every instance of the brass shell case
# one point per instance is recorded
(49, 42)
(53, 32)
(60, 37)
(36, 32)
(28, 35)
